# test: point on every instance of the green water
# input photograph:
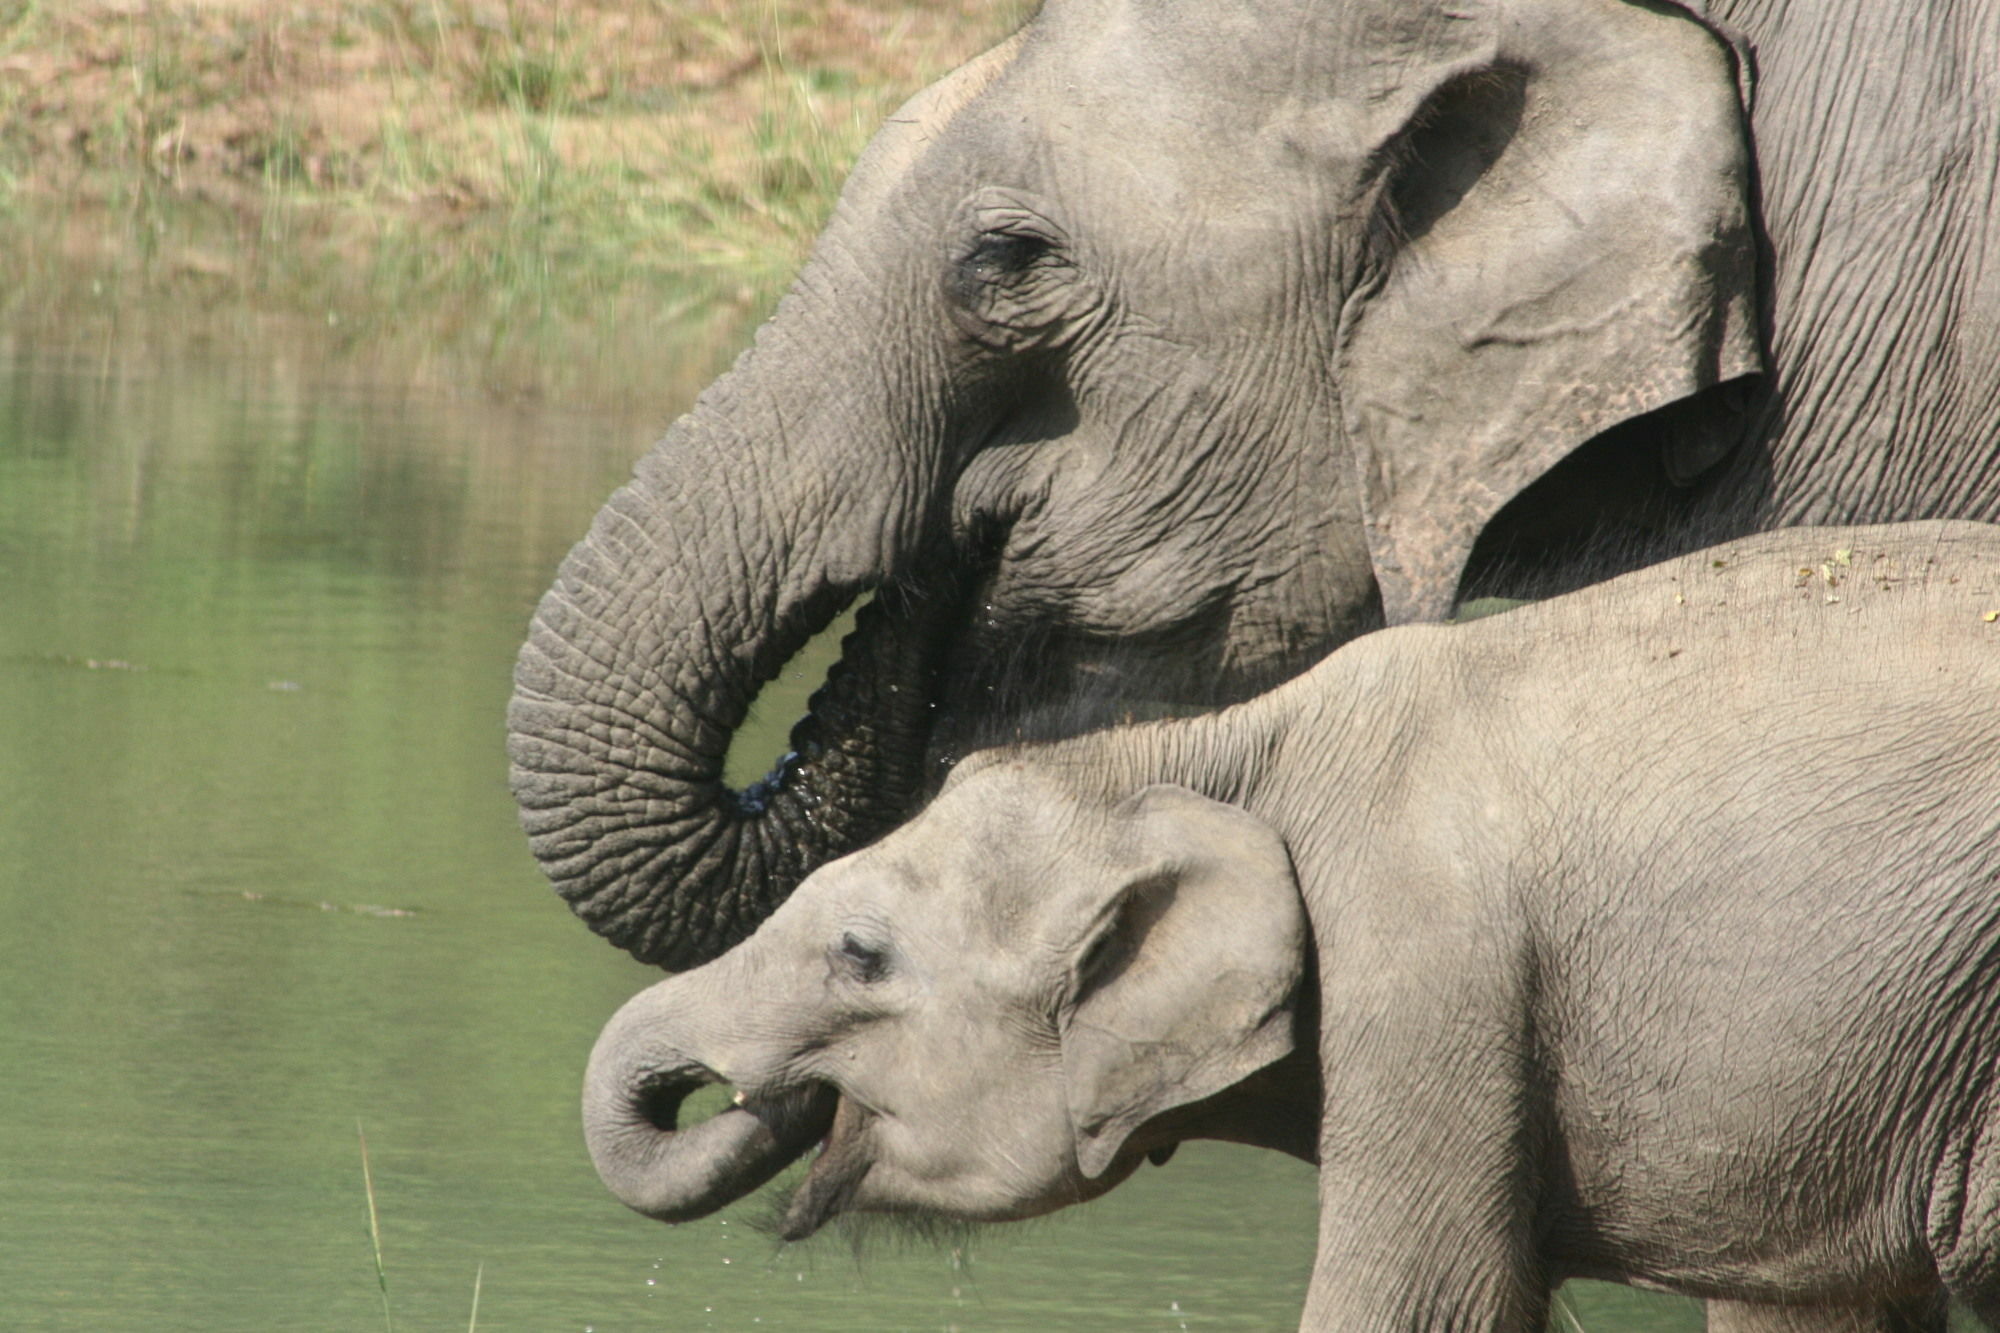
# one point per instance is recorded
(263, 892)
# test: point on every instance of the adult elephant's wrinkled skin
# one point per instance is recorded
(1676, 964)
(1168, 345)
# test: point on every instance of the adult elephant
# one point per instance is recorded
(1167, 345)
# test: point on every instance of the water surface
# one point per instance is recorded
(264, 893)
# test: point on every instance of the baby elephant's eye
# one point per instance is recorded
(862, 961)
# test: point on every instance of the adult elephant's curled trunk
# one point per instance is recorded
(694, 587)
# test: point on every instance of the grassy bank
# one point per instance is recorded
(524, 184)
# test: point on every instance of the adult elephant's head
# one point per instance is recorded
(1145, 359)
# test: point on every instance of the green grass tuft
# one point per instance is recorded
(375, 1233)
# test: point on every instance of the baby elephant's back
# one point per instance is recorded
(1831, 660)
(1779, 983)
(1793, 606)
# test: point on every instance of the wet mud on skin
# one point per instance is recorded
(265, 887)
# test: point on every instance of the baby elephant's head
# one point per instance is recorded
(999, 1009)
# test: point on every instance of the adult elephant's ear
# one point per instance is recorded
(1561, 241)
(1187, 975)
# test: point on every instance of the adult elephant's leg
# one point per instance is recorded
(1915, 1315)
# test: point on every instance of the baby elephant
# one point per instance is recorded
(1650, 933)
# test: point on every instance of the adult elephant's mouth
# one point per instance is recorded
(881, 688)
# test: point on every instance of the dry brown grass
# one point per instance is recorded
(469, 166)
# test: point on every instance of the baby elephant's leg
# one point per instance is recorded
(1427, 1188)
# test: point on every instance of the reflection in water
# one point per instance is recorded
(264, 888)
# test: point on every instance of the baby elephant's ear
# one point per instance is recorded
(1186, 978)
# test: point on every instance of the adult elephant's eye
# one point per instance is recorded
(999, 254)
(992, 276)
(1011, 287)
(860, 960)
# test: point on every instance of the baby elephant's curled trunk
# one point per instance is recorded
(631, 1102)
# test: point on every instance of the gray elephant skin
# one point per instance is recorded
(1650, 933)
(1168, 345)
